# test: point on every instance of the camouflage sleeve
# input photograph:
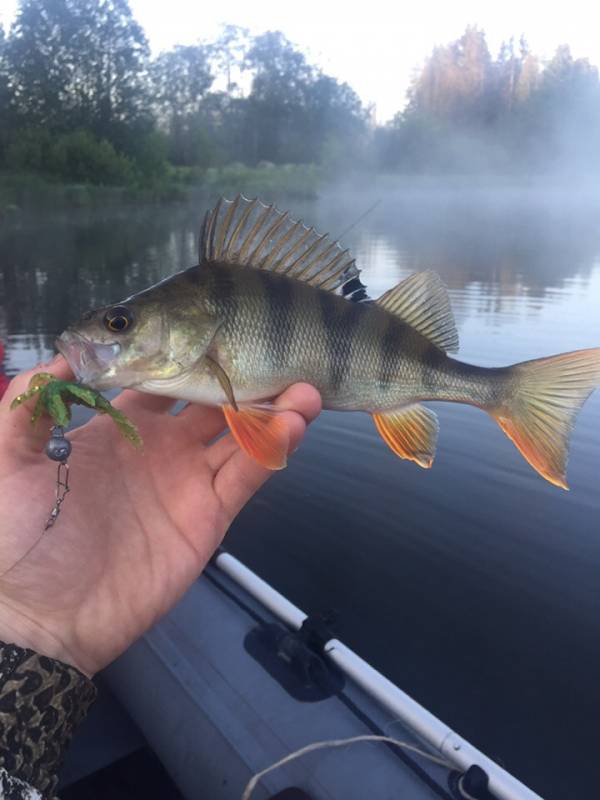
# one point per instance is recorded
(14, 789)
(41, 703)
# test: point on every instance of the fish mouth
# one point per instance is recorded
(88, 360)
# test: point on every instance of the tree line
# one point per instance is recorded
(82, 99)
(468, 111)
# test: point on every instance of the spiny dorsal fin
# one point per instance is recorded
(422, 301)
(250, 233)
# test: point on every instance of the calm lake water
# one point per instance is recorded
(474, 585)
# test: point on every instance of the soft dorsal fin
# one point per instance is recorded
(422, 301)
(250, 233)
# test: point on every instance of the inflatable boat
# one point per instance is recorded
(236, 680)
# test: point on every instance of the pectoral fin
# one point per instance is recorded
(410, 432)
(261, 432)
(220, 374)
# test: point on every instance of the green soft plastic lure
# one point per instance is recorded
(55, 397)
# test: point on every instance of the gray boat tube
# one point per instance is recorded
(441, 739)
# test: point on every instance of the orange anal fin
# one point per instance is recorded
(410, 432)
(261, 433)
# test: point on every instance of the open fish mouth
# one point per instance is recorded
(88, 360)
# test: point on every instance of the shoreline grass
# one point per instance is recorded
(21, 191)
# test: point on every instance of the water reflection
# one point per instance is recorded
(54, 269)
(496, 257)
(475, 584)
(503, 238)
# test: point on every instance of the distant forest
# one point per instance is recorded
(83, 100)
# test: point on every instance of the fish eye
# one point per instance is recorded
(118, 319)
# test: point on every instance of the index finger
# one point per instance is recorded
(17, 423)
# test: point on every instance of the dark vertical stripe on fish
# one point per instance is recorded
(340, 321)
(195, 274)
(279, 299)
(431, 360)
(390, 348)
(223, 293)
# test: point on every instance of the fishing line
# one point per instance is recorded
(360, 219)
(254, 781)
(58, 449)
(24, 556)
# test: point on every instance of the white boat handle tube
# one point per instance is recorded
(270, 598)
(427, 727)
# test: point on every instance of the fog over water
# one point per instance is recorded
(473, 585)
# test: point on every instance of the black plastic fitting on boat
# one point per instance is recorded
(472, 784)
(315, 631)
(292, 794)
(296, 666)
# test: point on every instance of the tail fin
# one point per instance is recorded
(542, 402)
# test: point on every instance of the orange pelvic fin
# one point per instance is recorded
(410, 432)
(261, 432)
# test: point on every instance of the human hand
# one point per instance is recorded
(137, 528)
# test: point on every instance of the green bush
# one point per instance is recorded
(29, 151)
(75, 157)
(150, 155)
(80, 158)
(291, 180)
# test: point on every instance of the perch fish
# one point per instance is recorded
(271, 302)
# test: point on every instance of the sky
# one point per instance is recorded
(373, 46)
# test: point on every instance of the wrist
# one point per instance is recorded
(20, 629)
(42, 702)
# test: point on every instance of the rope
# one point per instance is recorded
(254, 781)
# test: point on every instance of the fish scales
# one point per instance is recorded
(328, 341)
(273, 302)
(276, 328)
